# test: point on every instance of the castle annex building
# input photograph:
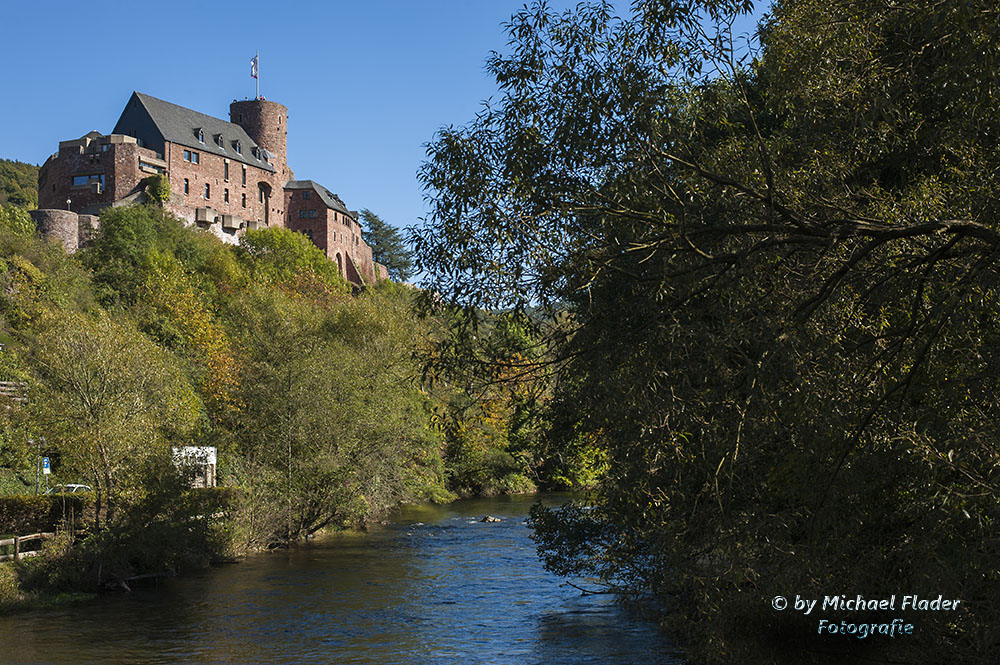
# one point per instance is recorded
(225, 177)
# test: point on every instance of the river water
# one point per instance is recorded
(434, 585)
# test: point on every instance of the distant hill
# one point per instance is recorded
(18, 183)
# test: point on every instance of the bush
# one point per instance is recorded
(21, 515)
(10, 589)
(158, 188)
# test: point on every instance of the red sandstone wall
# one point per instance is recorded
(294, 203)
(55, 179)
(210, 170)
(266, 123)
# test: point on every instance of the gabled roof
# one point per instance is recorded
(180, 125)
(331, 200)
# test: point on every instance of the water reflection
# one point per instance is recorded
(434, 586)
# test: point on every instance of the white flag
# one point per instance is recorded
(253, 67)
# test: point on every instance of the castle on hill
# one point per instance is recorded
(225, 177)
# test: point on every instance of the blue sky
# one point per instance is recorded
(366, 84)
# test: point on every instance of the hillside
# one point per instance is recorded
(18, 183)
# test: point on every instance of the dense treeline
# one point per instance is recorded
(158, 335)
(18, 183)
(770, 285)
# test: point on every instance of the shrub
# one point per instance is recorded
(158, 188)
(21, 515)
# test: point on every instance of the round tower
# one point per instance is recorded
(61, 225)
(267, 124)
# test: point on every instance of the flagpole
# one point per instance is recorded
(257, 79)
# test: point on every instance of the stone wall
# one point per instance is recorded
(119, 159)
(267, 124)
(61, 225)
(333, 232)
(244, 200)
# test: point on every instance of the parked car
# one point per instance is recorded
(69, 489)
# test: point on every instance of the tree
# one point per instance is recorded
(110, 400)
(780, 273)
(335, 430)
(280, 256)
(18, 184)
(388, 247)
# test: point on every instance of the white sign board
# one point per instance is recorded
(194, 455)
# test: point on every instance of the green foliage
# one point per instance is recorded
(26, 514)
(157, 188)
(388, 246)
(335, 430)
(10, 591)
(15, 221)
(112, 398)
(280, 256)
(158, 335)
(779, 276)
(131, 238)
(18, 184)
(37, 275)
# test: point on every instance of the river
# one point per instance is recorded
(434, 585)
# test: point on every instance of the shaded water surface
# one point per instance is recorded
(435, 585)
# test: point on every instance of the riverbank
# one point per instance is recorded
(434, 584)
(69, 571)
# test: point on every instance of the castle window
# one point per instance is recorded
(309, 233)
(244, 176)
(87, 180)
(200, 134)
(244, 200)
(191, 156)
(306, 194)
(220, 141)
(312, 214)
(208, 191)
(225, 170)
(187, 186)
(302, 214)
(225, 195)
(239, 148)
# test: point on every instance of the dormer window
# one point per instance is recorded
(201, 135)
(219, 140)
(239, 148)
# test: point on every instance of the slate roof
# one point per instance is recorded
(331, 200)
(180, 125)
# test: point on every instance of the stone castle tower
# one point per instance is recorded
(267, 124)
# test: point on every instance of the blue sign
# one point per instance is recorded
(45, 465)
